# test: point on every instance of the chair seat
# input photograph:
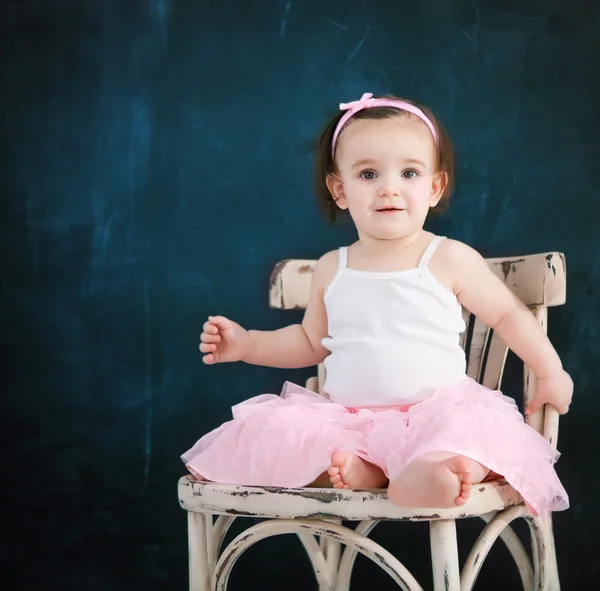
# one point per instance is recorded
(352, 505)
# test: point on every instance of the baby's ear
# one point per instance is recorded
(336, 188)
(438, 186)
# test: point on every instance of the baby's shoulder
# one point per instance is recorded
(329, 259)
(454, 252)
(325, 269)
(453, 260)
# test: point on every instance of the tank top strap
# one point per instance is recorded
(343, 257)
(431, 248)
(342, 264)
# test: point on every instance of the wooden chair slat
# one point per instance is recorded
(475, 354)
(496, 360)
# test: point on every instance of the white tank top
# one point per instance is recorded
(393, 336)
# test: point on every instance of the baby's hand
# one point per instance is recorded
(556, 389)
(223, 340)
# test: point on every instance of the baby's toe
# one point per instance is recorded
(466, 477)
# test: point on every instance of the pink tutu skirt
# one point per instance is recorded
(287, 440)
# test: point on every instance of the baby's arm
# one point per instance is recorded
(297, 345)
(484, 294)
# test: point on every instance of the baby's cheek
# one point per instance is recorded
(419, 198)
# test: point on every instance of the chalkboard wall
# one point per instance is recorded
(156, 163)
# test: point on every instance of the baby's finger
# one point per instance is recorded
(210, 328)
(207, 348)
(209, 359)
(220, 322)
(534, 406)
(210, 338)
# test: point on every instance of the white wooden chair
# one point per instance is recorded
(316, 514)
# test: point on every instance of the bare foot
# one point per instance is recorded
(436, 480)
(347, 470)
(458, 468)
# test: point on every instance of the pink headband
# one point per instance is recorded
(366, 102)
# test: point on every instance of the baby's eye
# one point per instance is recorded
(411, 173)
(368, 175)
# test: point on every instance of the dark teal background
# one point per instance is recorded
(155, 165)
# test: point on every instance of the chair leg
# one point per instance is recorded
(201, 559)
(497, 526)
(332, 551)
(553, 563)
(544, 553)
(348, 558)
(444, 555)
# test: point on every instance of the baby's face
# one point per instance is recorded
(387, 173)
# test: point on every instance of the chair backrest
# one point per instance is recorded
(539, 280)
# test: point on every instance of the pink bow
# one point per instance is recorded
(366, 101)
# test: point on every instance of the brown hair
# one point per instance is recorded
(325, 163)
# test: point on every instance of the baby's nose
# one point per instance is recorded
(389, 189)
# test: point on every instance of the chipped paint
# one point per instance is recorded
(276, 272)
(322, 496)
(241, 513)
(246, 493)
(550, 262)
(510, 265)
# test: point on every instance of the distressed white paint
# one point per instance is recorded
(444, 555)
(496, 526)
(199, 547)
(354, 505)
(540, 281)
(514, 546)
(274, 527)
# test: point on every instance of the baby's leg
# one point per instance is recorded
(347, 470)
(436, 480)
